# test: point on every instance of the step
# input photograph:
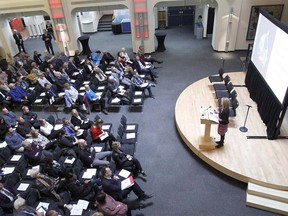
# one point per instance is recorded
(274, 194)
(267, 204)
(105, 29)
(108, 22)
(104, 25)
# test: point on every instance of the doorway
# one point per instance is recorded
(181, 16)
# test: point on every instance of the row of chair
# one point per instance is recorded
(225, 89)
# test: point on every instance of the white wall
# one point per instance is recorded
(35, 25)
(244, 19)
(6, 37)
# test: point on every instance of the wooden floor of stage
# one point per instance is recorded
(260, 161)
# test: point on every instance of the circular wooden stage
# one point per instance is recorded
(257, 159)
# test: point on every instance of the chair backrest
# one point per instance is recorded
(234, 103)
(120, 130)
(97, 117)
(89, 138)
(123, 120)
(227, 79)
(233, 94)
(221, 73)
(230, 87)
(6, 153)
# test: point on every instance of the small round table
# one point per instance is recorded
(161, 38)
(84, 40)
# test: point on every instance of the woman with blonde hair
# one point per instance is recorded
(223, 121)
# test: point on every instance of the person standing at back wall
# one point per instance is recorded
(18, 40)
(50, 30)
(46, 37)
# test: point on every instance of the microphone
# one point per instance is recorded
(248, 106)
(204, 111)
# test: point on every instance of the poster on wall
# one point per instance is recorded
(274, 10)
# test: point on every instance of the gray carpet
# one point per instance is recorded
(181, 183)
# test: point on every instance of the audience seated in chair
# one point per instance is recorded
(9, 117)
(89, 157)
(126, 161)
(94, 99)
(34, 153)
(14, 140)
(98, 135)
(111, 185)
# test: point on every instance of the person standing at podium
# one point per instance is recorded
(223, 121)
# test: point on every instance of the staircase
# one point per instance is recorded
(105, 23)
(267, 199)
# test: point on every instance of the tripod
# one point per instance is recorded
(243, 128)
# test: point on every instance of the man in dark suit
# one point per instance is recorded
(140, 67)
(8, 195)
(46, 37)
(112, 186)
(18, 40)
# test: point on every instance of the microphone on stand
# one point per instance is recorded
(243, 128)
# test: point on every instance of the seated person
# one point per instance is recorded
(18, 95)
(42, 80)
(49, 75)
(14, 140)
(9, 117)
(58, 208)
(47, 186)
(41, 140)
(86, 190)
(125, 161)
(8, 195)
(111, 185)
(108, 206)
(72, 96)
(3, 129)
(21, 208)
(79, 120)
(54, 169)
(139, 83)
(97, 132)
(73, 131)
(96, 57)
(116, 91)
(24, 127)
(140, 67)
(93, 98)
(120, 76)
(30, 117)
(89, 157)
(35, 153)
(60, 81)
(144, 57)
(48, 130)
(100, 75)
(52, 95)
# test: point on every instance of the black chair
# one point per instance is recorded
(225, 93)
(128, 127)
(129, 138)
(233, 107)
(233, 95)
(128, 148)
(222, 86)
(217, 78)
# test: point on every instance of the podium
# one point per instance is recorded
(207, 118)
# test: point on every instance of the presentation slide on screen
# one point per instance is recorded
(270, 55)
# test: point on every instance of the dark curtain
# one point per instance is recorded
(268, 105)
